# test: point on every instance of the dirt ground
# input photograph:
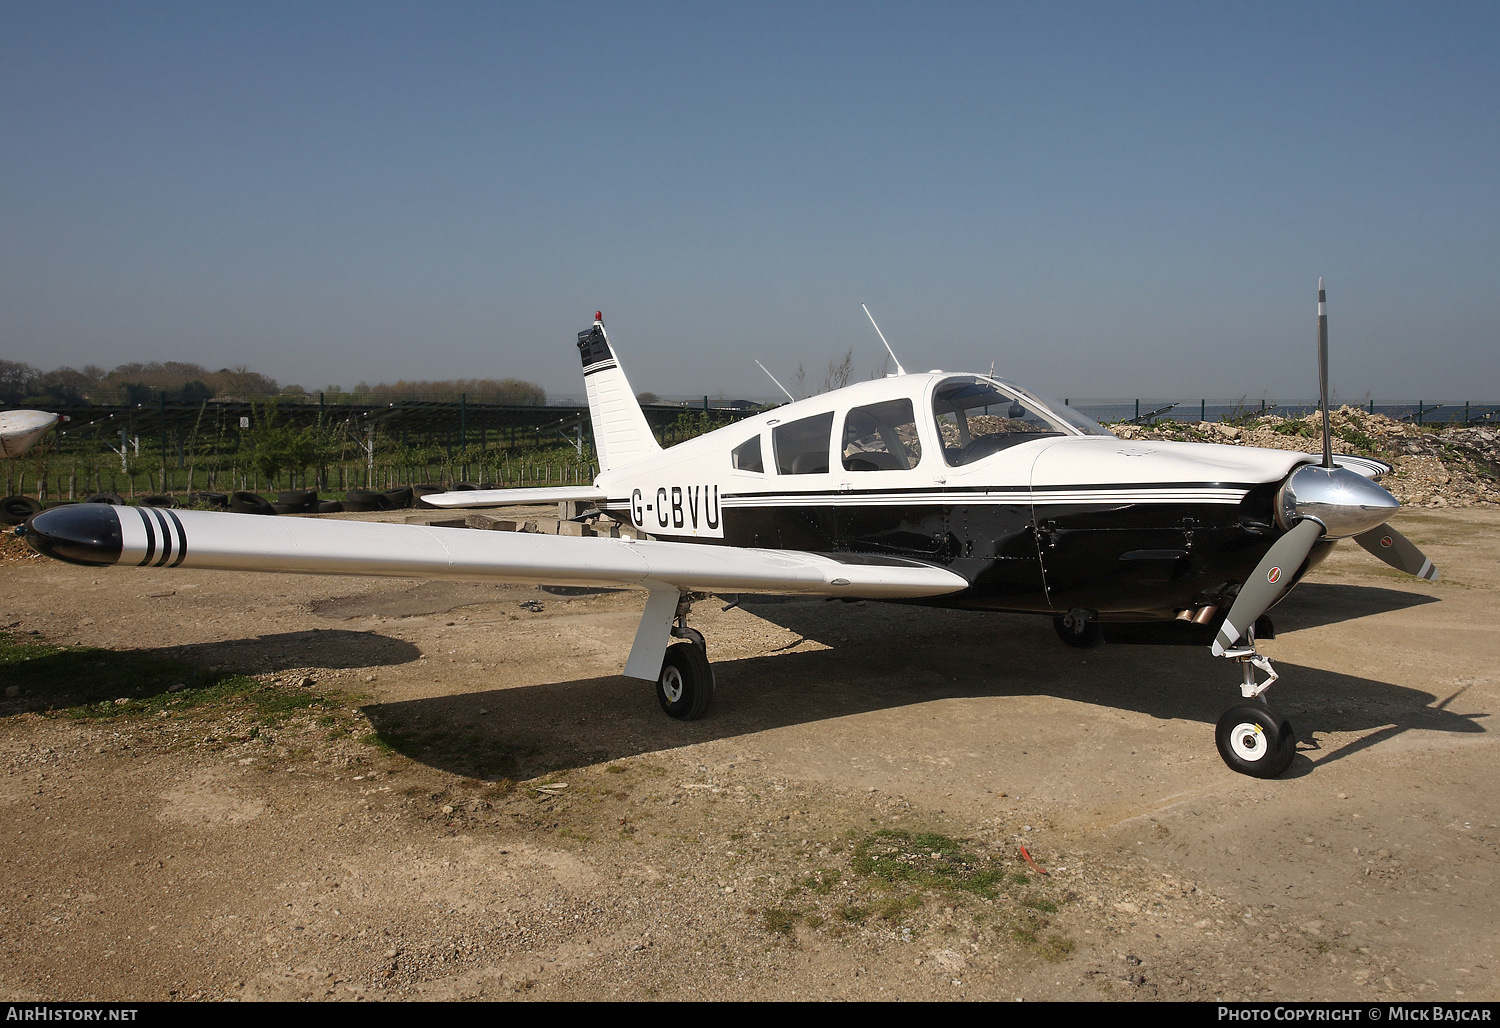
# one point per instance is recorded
(486, 809)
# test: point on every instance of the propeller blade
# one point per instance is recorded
(1397, 551)
(1267, 582)
(1323, 373)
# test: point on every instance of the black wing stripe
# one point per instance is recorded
(166, 539)
(181, 539)
(150, 537)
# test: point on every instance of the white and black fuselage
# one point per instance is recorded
(1038, 509)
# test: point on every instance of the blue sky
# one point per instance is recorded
(1103, 199)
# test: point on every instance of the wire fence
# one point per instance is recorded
(1147, 410)
(142, 451)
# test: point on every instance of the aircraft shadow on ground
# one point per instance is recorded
(531, 731)
(332, 648)
(79, 675)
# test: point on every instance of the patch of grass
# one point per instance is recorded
(779, 920)
(926, 860)
(895, 908)
(91, 683)
(854, 913)
(821, 881)
(1357, 439)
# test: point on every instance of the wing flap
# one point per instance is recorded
(509, 497)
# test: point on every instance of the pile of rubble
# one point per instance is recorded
(1436, 466)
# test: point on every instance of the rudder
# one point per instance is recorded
(621, 435)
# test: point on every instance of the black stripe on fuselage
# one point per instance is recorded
(969, 491)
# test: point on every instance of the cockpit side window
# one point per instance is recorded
(882, 437)
(746, 456)
(802, 445)
(975, 418)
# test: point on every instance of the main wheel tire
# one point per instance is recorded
(1091, 636)
(1255, 741)
(685, 686)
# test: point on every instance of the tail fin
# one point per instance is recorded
(621, 435)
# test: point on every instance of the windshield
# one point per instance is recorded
(976, 417)
(1084, 424)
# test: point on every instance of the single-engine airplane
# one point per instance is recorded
(956, 490)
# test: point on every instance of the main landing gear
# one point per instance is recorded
(1079, 628)
(1253, 739)
(685, 686)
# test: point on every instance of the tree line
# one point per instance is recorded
(185, 382)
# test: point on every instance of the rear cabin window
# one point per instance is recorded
(802, 446)
(882, 437)
(746, 456)
(975, 419)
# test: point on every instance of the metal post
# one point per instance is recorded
(1137, 409)
(1419, 411)
(163, 440)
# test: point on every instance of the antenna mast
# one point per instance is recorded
(773, 379)
(899, 369)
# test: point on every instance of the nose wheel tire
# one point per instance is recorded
(1255, 741)
(685, 686)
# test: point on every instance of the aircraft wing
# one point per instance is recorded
(506, 497)
(100, 534)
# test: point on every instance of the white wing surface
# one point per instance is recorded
(100, 534)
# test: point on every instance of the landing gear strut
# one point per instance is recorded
(1253, 739)
(685, 686)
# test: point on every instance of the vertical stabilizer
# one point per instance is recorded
(621, 435)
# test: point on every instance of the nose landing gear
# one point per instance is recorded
(1253, 739)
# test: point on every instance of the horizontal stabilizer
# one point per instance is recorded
(20, 429)
(510, 497)
(99, 534)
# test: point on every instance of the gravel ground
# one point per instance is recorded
(470, 802)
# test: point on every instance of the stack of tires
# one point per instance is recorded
(16, 510)
(367, 499)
